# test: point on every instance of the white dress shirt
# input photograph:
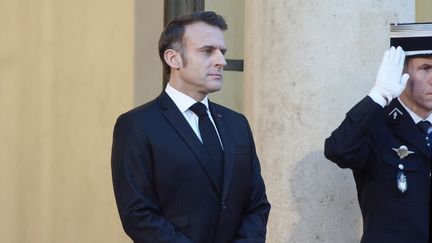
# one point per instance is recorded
(416, 117)
(183, 102)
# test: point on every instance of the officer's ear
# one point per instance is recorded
(173, 59)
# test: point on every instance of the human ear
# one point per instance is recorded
(172, 58)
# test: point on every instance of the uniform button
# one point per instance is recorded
(401, 166)
(223, 205)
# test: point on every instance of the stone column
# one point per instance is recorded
(306, 64)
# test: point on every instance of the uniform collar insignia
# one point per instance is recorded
(395, 113)
(402, 151)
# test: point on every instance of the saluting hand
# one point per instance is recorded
(390, 82)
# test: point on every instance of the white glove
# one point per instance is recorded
(389, 83)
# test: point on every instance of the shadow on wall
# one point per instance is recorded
(325, 202)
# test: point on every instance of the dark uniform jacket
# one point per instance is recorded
(165, 189)
(367, 142)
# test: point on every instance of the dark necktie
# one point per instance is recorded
(210, 141)
(424, 126)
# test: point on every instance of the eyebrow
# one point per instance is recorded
(210, 47)
(425, 65)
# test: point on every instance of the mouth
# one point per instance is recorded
(215, 75)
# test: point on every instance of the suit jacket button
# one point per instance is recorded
(223, 206)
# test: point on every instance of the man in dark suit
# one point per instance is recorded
(389, 153)
(185, 169)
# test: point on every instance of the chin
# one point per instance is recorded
(214, 87)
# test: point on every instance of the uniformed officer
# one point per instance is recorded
(384, 140)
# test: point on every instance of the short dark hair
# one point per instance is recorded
(172, 36)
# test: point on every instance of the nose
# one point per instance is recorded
(220, 59)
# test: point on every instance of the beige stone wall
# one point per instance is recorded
(66, 72)
(423, 11)
(307, 63)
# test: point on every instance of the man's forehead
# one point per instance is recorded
(201, 31)
(419, 60)
(426, 58)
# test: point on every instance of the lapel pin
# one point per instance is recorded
(219, 115)
(402, 151)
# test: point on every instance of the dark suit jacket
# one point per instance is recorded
(164, 188)
(364, 142)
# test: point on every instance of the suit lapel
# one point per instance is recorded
(177, 120)
(404, 127)
(221, 124)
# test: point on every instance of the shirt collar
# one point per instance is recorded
(413, 115)
(182, 100)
